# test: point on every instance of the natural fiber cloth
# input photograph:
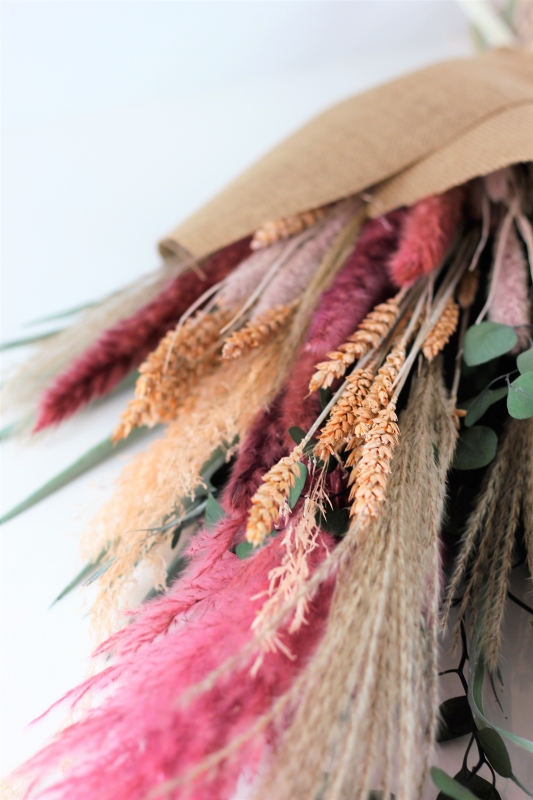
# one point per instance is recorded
(431, 129)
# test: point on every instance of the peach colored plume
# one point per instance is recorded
(511, 304)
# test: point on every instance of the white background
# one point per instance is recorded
(119, 119)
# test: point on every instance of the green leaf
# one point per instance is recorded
(496, 751)
(62, 314)
(244, 549)
(480, 404)
(325, 397)
(520, 397)
(524, 362)
(449, 787)
(297, 435)
(84, 573)
(96, 455)
(476, 448)
(477, 785)
(298, 487)
(455, 719)
(335, 521)
(213, 512)
(7, 431)
(26, 340)
(486, 341)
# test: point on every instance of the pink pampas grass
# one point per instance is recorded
(427, 234)
(124, 346)
(511, 304)
(141, 736)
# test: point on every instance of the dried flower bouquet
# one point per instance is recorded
(321, 376)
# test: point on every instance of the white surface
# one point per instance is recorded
(119, 119)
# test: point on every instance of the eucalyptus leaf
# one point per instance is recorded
(476, 447)
(244, 549)
(455, 719)
(496, 751)
(325, 396)
(480, 404)
(335, 521)
(449, 787)
(524, 362)
(486, 341)
(477, 785)
(213, 512)
(297, 435)
(520, 397)
(297, 489)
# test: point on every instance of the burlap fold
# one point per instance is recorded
(414, 136)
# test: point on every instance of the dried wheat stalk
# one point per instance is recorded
(270, 500)
(369, 335)
(339, 429)
(440, 334)
(180, 359)
(258, 331)
(279, 229)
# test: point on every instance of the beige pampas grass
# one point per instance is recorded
(488, 541)
(284, 228)
(367, 707)
(369, 335)
(258, 331)
(220, 410)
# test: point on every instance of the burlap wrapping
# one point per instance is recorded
(417, 135)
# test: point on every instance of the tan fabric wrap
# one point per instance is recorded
(403, 129)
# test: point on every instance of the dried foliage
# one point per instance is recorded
(258, 330)
(467, 289)
(443, 330)
(166, 378)
(283, 228)
(485, 557)
(369, 335)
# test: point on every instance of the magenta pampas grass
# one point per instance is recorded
(142, 736)
(511, 304)
(427, 234)
(124, 346)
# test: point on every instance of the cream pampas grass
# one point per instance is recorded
(368, 706)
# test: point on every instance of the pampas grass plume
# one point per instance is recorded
(427, 234)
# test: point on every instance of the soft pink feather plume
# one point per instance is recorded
(511, 304)
(140, 736)
(242, 282)
(295, 275)
(427, 234)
